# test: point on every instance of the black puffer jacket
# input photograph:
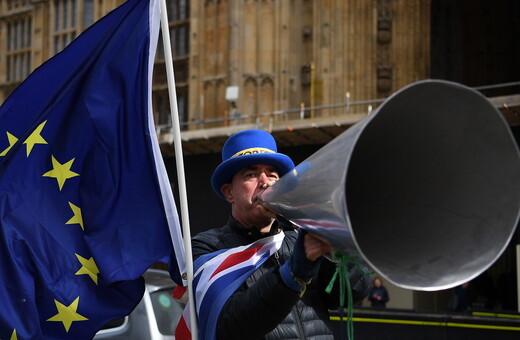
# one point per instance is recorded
(264, 307)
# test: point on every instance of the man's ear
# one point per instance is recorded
(225, 189)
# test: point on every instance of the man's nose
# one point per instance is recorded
(263, 181)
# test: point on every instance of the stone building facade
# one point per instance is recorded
(281, 54)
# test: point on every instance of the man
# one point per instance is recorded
(285, 297)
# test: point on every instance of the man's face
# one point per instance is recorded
(243, 190)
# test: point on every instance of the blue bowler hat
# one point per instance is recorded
(247, 148)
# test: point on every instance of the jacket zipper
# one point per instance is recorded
(299, 327)
(294, 312)
(277, 259)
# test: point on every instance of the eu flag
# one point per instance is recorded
(85, 204)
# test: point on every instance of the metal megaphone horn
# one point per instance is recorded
(426, 190)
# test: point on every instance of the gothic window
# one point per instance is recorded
(220, 101)
(178, 15)
(13, 5)
(266, 102)
(70, 18)
(250, 107)
(18, 56)
(182, 103)
(162, 109)
(210, 98)
(161, 104)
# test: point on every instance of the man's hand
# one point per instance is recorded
(315, 247)
(305, 261)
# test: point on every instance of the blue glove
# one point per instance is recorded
(298, 271)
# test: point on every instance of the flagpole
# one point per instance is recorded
(180, 165)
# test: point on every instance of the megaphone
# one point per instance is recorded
(425, 190)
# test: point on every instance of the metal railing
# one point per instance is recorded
(301, 113)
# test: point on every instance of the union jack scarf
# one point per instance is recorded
(217, 276)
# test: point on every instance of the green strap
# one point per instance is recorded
(344, 285)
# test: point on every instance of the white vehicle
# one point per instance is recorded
(154, 318)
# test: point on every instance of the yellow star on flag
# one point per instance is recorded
(77, 218)
(12, 141)
(67, 314)
(14, 336)
(35, 138)
(61, 171)
(88, 267)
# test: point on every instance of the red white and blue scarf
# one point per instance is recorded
(217, 276)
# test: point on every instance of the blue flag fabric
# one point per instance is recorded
(85, 204)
